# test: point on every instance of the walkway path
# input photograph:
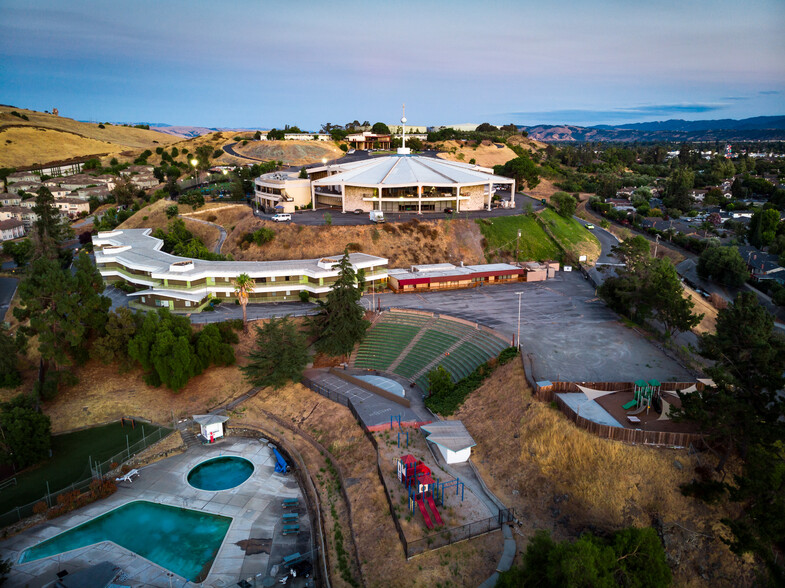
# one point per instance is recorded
(221, 230)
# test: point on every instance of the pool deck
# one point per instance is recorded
(255, 507)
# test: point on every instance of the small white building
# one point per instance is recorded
(453, 440)
(211, 425)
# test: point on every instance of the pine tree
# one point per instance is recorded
(63, 310)
(50, 229)
(280, 355)
(341, 323)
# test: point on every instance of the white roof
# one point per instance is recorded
(137, 249)
(440, 270)
(407, 170)
(451, 435)
(210, 419)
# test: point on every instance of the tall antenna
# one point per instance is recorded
(403, 128)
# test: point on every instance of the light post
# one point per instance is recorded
(195, 162)
(518, 335)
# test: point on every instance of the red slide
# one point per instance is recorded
(436, 516)
(424, 512)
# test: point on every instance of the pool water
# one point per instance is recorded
(220, 473)
(181, 540)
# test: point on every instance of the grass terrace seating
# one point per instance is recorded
(430, 346)
(387, 341)
(383, 344)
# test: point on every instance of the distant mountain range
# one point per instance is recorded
(759, 128)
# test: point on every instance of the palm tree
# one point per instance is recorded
(243, 286)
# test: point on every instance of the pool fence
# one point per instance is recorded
(93, 471)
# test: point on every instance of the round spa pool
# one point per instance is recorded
(220, 473)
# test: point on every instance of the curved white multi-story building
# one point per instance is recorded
(134, 257)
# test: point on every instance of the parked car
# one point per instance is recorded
(448, 210)
(590, 227)
(358, 211)
(281, 217)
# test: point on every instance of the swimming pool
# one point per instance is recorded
(385, 384)
(220, 473)
(181, 540)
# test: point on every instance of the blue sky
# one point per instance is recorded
(255, 63)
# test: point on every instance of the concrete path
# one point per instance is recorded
(221, 238)
(505, 562)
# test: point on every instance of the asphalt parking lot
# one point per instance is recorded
(570, 334)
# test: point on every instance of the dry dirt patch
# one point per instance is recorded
(403, 244)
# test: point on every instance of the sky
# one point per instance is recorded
(263, 64)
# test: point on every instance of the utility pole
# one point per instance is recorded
(517, 245)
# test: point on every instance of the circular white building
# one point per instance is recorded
(405, 183)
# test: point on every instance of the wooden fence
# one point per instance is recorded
(547, 391)
(640, 436)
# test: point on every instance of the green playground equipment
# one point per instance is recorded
(642, 394)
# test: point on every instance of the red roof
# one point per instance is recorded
(408, 459)
(425, 480)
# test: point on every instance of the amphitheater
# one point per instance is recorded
(412, 343)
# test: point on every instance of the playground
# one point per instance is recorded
(426, 498)
(638, 411)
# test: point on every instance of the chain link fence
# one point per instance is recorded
(437, 540)
(93, 471)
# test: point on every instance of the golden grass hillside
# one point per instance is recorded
(74, 139)
(290, 152)
(403, 244)
(154, 217)
(562, 478)
(486, 154)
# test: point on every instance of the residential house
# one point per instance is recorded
(26, 215)
(10, 199)
(100, 192)
(144, 181)
(27, 203)
(136, 169)
(762, 265)
(24, 176)
(25, 186)
(77, 181)
(11, 229)
(72, 207)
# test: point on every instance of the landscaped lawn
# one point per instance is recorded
(71, 454)
(570, 233)
(501, 232)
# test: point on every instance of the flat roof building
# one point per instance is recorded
(134, 257)
(446, 276)
(282, 191)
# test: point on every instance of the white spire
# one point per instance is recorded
(403, 150)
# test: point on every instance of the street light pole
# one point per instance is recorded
(518, 335)
(195, 162)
